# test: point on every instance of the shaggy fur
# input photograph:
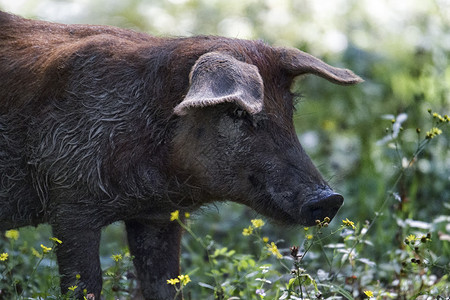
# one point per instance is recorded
(89, 136)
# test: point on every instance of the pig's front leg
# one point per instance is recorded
(78, 260)
(156, 251)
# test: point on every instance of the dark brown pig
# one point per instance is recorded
(100, 124)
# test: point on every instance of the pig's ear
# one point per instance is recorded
(297, 62)
(217, 78)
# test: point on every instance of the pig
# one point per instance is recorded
(100, 124)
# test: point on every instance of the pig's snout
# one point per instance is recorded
(326, 205)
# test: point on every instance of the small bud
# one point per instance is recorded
(418, 130)
(429, 110)
(327, 219)
(325, 224)
(413, 260)
(317, 222)
(406, 241)
(423, 239)
(401, 129)
(393, 121)
(418, 261)
(294, 251)
(428, 235)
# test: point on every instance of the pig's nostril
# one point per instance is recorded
(321, 208)
(334, 200)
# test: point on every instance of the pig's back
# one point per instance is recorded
(32, 53)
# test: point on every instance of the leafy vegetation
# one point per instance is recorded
(377, 143)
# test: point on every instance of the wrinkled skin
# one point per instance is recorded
(100, 124)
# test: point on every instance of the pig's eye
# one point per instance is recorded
(240, 113)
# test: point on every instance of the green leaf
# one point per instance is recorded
(291, 283)
(223, 251)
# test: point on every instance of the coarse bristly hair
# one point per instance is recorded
(109, 112)
(100, 124)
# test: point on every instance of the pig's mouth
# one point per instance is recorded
(320, 208)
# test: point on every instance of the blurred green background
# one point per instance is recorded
(400, 48)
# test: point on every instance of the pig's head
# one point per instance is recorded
(235, 138)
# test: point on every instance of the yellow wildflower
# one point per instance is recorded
(174, 215)
(73, 287)
(46, 249)
(247, 231)
(257, 223)
(309, 236)
(12, 234)
(349, 223)
(56, 240)
(265, 239)
(368, 293)
(116, 257)
(443, 119)
(410, 239)
(187, 215)
(433, 133)
(184, 279)
(305, 228)
(4, 256)
(78, 276)
(274, 250)
(173, 281)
